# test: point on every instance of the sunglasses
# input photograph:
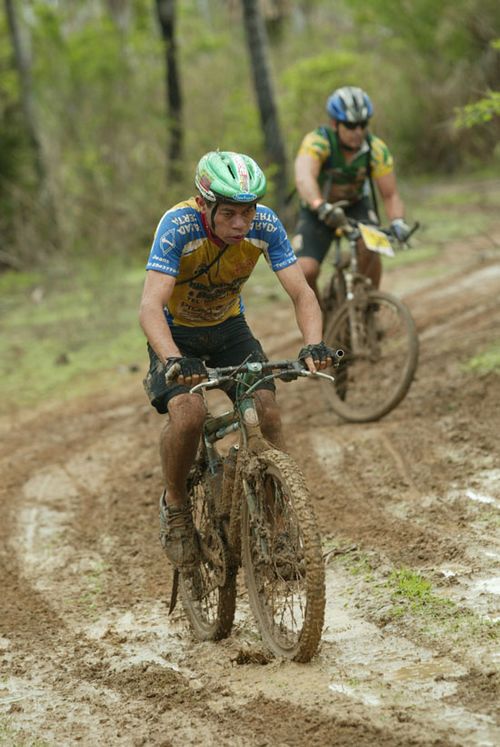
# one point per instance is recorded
(355, 125)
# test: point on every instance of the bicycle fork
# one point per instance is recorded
(352, 313)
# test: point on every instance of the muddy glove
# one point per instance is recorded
(185, 367)
(331, 215)
(400, 229)
(319, 353)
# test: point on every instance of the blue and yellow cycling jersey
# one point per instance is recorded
(346, 181)
(183, 247)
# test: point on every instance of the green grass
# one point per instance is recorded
(485, 362)
(407, 598)
(413, 598)
(412, 256)
(410, 589)
(64, 331)
(448, 212)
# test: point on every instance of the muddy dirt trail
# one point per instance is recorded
(409, 511)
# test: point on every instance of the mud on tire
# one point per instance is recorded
(282, 558)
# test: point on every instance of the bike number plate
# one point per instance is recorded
(375, 240)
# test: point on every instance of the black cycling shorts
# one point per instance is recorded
(225, 344)
(312, 237)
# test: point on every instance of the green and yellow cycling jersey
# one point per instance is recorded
(339, 179)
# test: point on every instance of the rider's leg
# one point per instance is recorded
(178, 444)
(369, 264)
(311, 242)
(270, 417)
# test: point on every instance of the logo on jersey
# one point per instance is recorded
(167, 241)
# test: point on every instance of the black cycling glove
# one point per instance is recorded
(187, 366)
(319, 353)
(331, 215)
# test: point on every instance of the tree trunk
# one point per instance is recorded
(49, 225)
(166, 15)
(120, 11)
(258, 47)
(22, 64)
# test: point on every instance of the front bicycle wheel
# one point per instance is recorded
(208, 593)
(380, 341)
(282, 558)
(332, 297)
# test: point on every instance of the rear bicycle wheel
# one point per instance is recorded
(380, 341)
(208, 593)
(282, 558)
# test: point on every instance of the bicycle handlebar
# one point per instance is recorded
(351, 225)
(388, 232)
(216, 376)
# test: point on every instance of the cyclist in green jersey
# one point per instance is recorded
(342, 161)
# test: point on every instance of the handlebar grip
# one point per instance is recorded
(415, 226)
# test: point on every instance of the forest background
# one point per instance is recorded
(107, 105)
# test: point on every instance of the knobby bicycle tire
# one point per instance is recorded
(282, 558)
(208, 593)
(371, 383)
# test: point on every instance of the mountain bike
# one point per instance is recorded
(374, 328)
(252, 508)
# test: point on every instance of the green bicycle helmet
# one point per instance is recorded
(224, 176)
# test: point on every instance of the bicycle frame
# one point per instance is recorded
(350, 230)
(243, 416)
(352, 281)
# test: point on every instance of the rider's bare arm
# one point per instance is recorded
(307, 310)
(393, 204)
(307, 170)
(158, 288)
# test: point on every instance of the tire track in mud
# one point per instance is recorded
(368, 501)
(381, 481)
(82, 670)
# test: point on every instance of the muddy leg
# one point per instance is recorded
(270, 417)
(179, 442)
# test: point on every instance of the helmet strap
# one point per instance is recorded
(227, 202)
(212, 216)
(209, 204)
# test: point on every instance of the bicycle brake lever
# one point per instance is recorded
(415, 226)
(205, 385)
(316, 374)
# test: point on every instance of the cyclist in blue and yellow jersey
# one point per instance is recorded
(192, 314)
(342, 161)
